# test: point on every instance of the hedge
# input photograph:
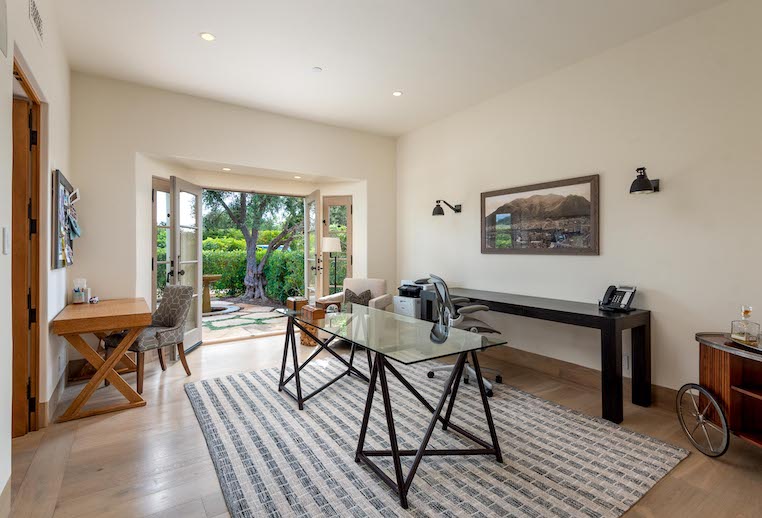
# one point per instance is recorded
(284, 272)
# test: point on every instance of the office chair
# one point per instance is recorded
(455, 312)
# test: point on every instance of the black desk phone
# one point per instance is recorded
(618, 298)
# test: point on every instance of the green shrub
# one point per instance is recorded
(285, 275)
(234, 242)
(235, 233)
(231, 265)
(226, 244)
(284, 272)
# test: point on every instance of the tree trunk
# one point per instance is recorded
(254, 279)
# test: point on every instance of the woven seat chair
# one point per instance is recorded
(167, 329)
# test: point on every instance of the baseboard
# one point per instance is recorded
(46, 410)
(5, 500)
(661, 397)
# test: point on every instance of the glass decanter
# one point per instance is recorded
(745, 331)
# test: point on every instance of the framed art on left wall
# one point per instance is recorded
(65, 227)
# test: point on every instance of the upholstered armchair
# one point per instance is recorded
(167, 329)
(380, 299)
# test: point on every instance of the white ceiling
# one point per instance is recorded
(217, 167)
(444, 54)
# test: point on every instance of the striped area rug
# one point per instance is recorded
(274, 460)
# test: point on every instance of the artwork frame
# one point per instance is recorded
(60, 234)
(580, 237)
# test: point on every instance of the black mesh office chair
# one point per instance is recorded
(456, 312)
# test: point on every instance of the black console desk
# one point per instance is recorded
(588, 315)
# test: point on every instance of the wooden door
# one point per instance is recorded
(313, 259)
(337, 222)
(24, 266)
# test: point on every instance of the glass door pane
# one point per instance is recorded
(162, 244)
(312, 258)
(186, 239)
(337, 222)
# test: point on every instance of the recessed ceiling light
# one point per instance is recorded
(207, 36)
(226, 169)
(397, 93)
(317, 69)
(297, 177)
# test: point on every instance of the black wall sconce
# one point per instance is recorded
(642, 185)
(439, 211)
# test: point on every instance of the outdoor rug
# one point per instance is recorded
(274, 460)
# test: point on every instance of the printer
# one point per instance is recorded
(413, 297)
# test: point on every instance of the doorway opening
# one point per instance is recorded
(25, 255)
(252, 254)
(253, 261)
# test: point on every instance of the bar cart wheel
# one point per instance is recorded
(703, 420)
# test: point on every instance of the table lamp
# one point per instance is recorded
(331, 245)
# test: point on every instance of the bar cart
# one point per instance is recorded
(728, 397)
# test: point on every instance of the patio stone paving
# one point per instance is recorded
(250, 321)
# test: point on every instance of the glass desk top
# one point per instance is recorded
(404, 339)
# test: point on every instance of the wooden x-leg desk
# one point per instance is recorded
(99, 319)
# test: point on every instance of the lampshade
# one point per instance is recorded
(641, 184)
(331, 244)
(438, 210)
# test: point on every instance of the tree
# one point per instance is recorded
(250, 212)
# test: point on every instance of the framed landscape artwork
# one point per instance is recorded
(548, 218)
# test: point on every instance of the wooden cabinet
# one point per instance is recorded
(733, 373)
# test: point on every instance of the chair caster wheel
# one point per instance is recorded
(498, 379)
(465, 380)
(430, 374)
(489, 393)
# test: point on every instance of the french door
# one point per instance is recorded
(313, 260)
(337, 222)
(185, 231)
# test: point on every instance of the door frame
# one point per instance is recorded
(25, 305)
(328, 202)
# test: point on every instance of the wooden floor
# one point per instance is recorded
(153, 461)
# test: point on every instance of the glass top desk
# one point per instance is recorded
(402, 339)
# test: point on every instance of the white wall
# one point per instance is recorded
(47, 66)
(683, 101)
(115, 124)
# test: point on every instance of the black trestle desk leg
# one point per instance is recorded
(351, 358)
(392, 432)
(453, 395)
(432, 424)
(368, 406)
(641, 364)
(611, 373)
(485, 403)
(289, 326)
(296, 370)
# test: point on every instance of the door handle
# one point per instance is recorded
(181, 272)
(170, 273)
